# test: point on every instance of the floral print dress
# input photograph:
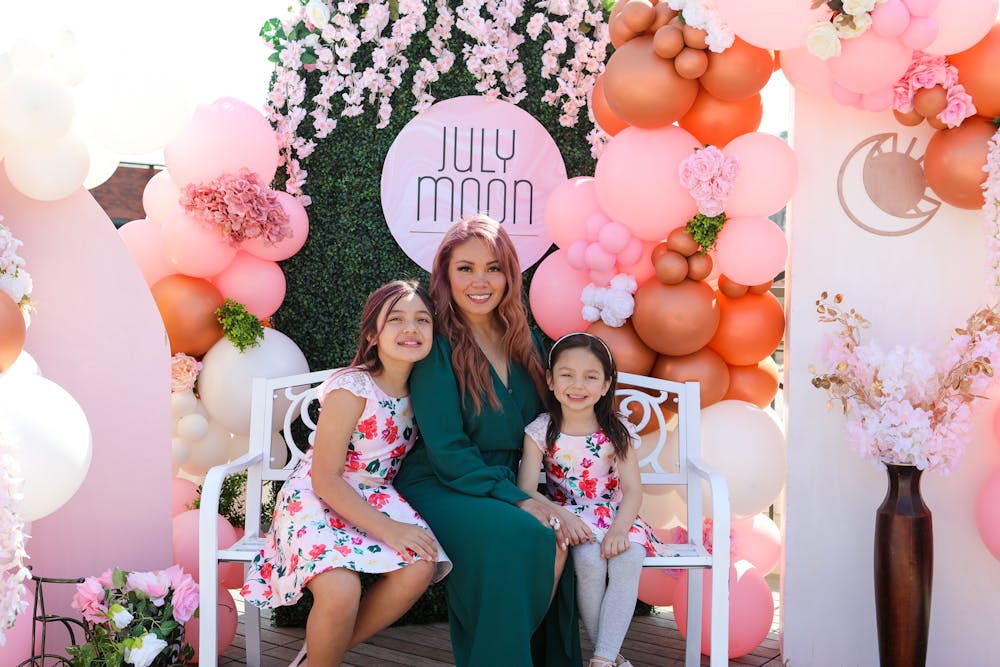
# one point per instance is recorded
(307, 537)
(580, 474)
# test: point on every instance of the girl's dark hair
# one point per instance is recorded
(366, 354)
(607, 417)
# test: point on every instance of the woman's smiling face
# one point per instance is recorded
(477, 280)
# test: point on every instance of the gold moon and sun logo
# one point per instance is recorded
(898, 199)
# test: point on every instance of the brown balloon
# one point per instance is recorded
(643, 89)
(750, 328)
(761, 288)
(668, 41)
(954, 160)
(12, 331)
(704, 366)
(977, 72)
(603, 114)
(663, 16)
(618, 31)
(717, 122)
(930, 102)
(695, 37)
(910, 118)
(658, 250)
(631, 355)
(730, 288)
(699, 266)
(691, 63)
(757, 383)
(936, 123)
(738, 72)
(638, 15)
(187, 306)
(682, 241)
(670, 267)
(675, 319)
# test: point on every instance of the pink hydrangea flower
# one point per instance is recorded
(240, 206)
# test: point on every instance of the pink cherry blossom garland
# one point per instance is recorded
(13, 573)
(991, 214)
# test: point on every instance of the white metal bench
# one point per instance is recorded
(292, 398)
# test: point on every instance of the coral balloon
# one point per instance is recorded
(691, 63)
(298, 225)
(227, 618)
(187, 306)
(643, 89)
(869, 63)
(638, 15)
(569, 206)
(988, 514)
(144, 239)
(195, 248)
(704, 366)
(751, 607)
(976, 71)
(183, 492)
(738, 72)
(603, 114)
(751, 250)
(961, 24)
(758, 540)
(12, 332)
(750, 328)
(713, 121)
(806, 72)
(756, 383)
(767, 177)
(668, 41)
(775, 24)
(258, 284)
(675, 319)
(657, 586)
(554, 296)
(185, 543)
(631, 355)
(730, 288)
(954, 161)
(638, 184)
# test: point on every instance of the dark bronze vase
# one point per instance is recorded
(904, 566)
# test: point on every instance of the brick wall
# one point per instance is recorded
(121, 195)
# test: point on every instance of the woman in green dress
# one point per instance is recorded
(472, 397)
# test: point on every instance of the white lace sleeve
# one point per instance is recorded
(357, 382)
(536, 430)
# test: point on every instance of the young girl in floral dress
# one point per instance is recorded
(592, 477)
(338, 514)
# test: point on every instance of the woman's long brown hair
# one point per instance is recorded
(472, 369)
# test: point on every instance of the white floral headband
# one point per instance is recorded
(607, 349)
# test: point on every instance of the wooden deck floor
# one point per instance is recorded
(652, 641)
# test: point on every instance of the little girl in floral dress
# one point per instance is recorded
(592, 477)
(338, 514)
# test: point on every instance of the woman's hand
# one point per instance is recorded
(615, 542)
(576, 529)
(409, 539)
(547, 516)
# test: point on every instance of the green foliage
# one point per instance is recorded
(239, 326)
(232, 499)
(705, 229)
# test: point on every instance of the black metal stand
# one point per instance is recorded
(40, 618)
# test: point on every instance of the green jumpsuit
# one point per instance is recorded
(460, 476)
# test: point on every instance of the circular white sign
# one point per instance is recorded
(470, 155)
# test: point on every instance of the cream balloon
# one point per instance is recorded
(182, 403)
(225, 381)
(210, 450)
(191, 428)
(51, 438)
(180, 451)
(103, 164)
(25, 364)
(34, 111)
(50, 172)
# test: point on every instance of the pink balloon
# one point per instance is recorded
(298, 224)
(161, 197)
(845, 97)
(599, 259)
(222, 138)
(880, 100)
(771, 24)
(657, 586)
(631, 253)
(258, 284)
(185, 542)
(601, 278)
(869, 62)
(227, 620)
(920, 33)
(751, 250)
(961, 23)
(751, 608)
(577, 255)
(758, 540)
(642, 269)
(144, 239)
(195, 248)
(613, 237)
(592, 227)
(922, 7)
(806, 72)
(638, 184)
(890, 18)
(988, 513)
(554, 296)
(767, 176)
(568, 208)
(183, 493)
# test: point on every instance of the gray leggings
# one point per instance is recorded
(606, 590)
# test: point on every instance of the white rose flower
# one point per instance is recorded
(145, 654)
(823, 41)
(15, 286)
(861, 23)
(858, 7)
(318, 13)
(120, 616)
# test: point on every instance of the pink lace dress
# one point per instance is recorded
(307, 537)
(580, 474)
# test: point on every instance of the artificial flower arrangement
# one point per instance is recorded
(240, 205)
(848, 19)
(908, 405)
(14, 280)
(930, 89)
(991, 213)
(708, 174)
(135, 618)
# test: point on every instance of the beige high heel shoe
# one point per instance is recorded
(622, 662)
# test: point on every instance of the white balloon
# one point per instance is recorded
(69, 60)
(226, 379)
(742, 442)
(238, 446)
(48, 173)
(28, 56)
(52, 441)
(34, 111)
(25, 364)
(182, 403)
(209, 451)
(103, 164)
(6, 66)
(192, 427)
(180, 451)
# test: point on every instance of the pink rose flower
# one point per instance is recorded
(90, 600)
(154, 585)
(185, 600)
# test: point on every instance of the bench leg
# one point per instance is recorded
(692, 654)
(251, 628)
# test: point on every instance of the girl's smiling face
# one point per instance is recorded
(577, 379)
(406, 330)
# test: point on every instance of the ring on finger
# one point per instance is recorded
(554, 522)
